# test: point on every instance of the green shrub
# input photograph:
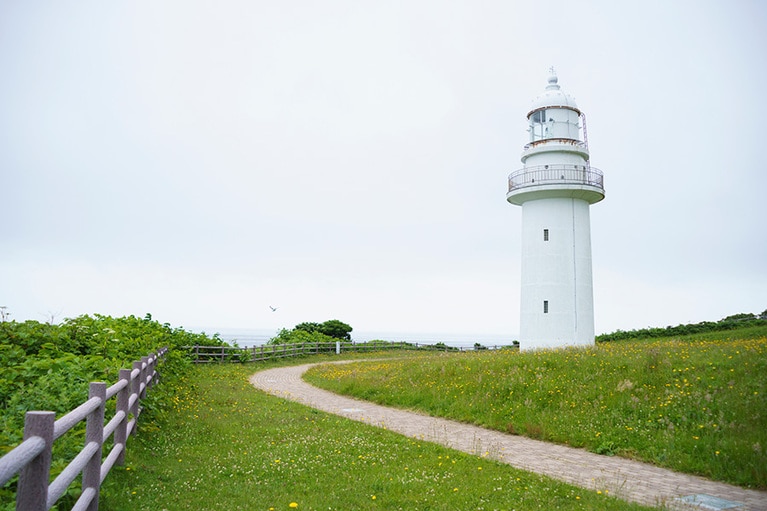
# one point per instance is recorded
(298, 336)
(736, 321)
(49, 367)
(308, 332)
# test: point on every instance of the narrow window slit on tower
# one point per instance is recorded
(545, 306)
(545, 235)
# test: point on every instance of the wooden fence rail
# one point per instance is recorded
(31, 459)
(208, 354)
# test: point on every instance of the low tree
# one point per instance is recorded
(308, 327)
(336, 329)
(308, 331)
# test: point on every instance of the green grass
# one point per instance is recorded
(218, 443)
(696, 405)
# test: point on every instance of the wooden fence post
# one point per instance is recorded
(144, 364)
(150, 361)
(153, 369)
(32, 489)
(136, 389)
(94, 432)
(123, 398)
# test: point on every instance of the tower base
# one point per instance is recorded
(557, 304)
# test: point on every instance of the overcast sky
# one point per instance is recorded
(202, 161)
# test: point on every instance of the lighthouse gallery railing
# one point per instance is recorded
(566, 174)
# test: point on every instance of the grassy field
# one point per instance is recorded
(211, 441)
(696, 404)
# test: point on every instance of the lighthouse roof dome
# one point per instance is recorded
(553, 96)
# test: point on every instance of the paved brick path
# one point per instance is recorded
(627, 479)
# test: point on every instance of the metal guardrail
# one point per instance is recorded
(565, 174)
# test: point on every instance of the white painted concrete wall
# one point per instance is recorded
(557, 271)
(544, 155)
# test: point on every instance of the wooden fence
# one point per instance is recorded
(31, 459)
(208, 354)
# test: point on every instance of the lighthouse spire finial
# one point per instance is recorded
(552, 79)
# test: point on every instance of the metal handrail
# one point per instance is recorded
(563, 173)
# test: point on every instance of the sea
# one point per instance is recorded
(247, 338)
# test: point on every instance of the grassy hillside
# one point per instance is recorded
(224, 445)
(696, 404)
(208, 440)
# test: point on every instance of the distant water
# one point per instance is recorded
(257, 337)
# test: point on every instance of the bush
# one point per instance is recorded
(48, 367)
(309, 332)
(729, 323)
(299, 336)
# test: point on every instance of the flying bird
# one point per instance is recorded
(273, 308)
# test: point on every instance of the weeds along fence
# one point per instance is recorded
(32, 459)
(208, 354)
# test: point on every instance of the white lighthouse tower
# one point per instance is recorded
(555, 188)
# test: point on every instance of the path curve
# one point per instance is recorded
(624, 478)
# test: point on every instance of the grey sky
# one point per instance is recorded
(204, 160)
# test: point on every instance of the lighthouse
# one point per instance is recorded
(555, 188)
